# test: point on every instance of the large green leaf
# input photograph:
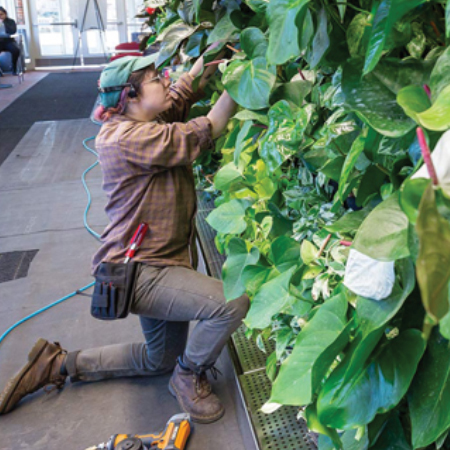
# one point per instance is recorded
(389, 12)
(283, 17)
(254, 276)
(301, 373)
(238, 257)
(253, 42)
(376, 388)
(411, 193)
(226, 176)
(355, 35)
(413, 100)
(437, 118)
(351, 440)
(433, 262)
(286, 127)
(349, 163)
(252, 115)
(241, 141)
(270, 300)
(440, 76)
(392, 436)
(250, 83)
(373, 99)
(224, 29)
(228, 218)
(285, 253)
(384, 233)
(372, 317)
(294, 91)
(349, 223)
(374, 96)
(321, 41)
(429, 396)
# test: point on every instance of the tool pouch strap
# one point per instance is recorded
(114, 290)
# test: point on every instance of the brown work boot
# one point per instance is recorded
(195, 396)
(43, 368)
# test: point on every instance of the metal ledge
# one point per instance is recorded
(280, 430)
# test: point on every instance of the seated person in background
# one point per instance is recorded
(7, 43)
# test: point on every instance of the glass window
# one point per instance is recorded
(54, 39)
(134, 25)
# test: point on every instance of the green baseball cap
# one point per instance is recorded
(116, 74)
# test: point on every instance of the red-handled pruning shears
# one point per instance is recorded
(136, 241)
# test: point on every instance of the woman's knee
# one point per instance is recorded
(239, 307)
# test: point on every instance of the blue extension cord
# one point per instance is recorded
(96, 235)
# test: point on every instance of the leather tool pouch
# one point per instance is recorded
(113, 291)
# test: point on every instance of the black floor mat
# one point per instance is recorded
(59, 96)
(14, 265)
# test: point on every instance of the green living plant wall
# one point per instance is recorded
(317, 160)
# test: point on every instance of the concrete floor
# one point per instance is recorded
(42, 202)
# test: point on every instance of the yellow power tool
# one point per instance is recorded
(174, 437)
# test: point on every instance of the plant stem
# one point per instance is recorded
(346, 243)
(325, 243)
(378, 166)
(427, 156)
(435, 28)
(301, 74)
(233, 49)
(427, 89)
(212, 63)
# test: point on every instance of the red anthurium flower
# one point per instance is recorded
(150, 11)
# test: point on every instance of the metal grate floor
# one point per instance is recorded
(277, 431)
(249, 355)
(280, 430)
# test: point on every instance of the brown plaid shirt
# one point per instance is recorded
(147, 177)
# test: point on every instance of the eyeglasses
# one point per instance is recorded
(160, 77)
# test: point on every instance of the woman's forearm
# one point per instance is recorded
(220, 114)
(197, 67)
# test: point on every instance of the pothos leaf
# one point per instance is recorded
(388, 13)
(238, 257)
(171, 38)
(433, 262)
(284, 135)
(270, 300)
(250, 83)
(300, 373)
(377, 388)
(253, 42)
(429, 397)
(349, 163)
(228, 218)
(373, 100)
(384, 233)
(283, 16)
(321, 41)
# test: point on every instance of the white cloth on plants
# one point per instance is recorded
(441, 161)
(368, 277)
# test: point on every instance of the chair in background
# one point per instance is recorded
(126, 49)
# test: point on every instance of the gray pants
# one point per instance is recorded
(167, 298)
